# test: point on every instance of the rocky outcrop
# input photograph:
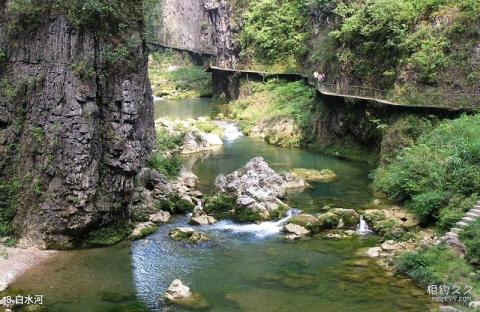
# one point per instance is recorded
(225, 26)
(182, 24)
(74, 131)
(257, 189)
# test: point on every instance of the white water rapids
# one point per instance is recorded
(262, 229)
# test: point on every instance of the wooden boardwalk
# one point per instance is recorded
(363, 93)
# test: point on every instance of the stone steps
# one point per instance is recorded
(469, 217)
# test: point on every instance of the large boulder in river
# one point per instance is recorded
(335, 218)
(197, 141)
(257, 189)
(178, 293)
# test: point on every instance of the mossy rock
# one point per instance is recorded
(143, 229)
(219, 203)
(389, 229)
(324, 175)
(108, 236)
(184, 204)
(349, 216)
(328, 220)
(280, 212)
(245, 214)
(305, 220)
(373, 215)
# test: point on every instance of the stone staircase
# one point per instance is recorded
(470, 216)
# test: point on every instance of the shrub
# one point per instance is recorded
(470, 236)
(274, 30)
(168, 166)
(443, 164)
(166, 141)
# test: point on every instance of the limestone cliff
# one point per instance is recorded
(181, 24)
(76, 125)
(205, 26)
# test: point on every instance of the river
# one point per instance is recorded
(244, 267)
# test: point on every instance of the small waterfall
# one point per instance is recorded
(263, 229)
(362, 227)
(230, 131)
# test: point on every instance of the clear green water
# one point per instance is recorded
(241, 269)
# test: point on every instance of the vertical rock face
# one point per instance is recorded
(225, 24)
(205, 26)
(182, 24)
(73, 136)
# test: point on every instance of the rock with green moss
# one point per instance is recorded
(188, 234)
(109, 235)
(348, 217)
(328, 220)
(143, 229)
(219, 203)
(324, 175)
(307, 221)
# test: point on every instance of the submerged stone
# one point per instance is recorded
(324, 175)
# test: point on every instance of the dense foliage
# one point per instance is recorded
(416, 41)
(438, 173)
(435, 265)
(274, 30)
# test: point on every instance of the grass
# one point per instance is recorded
(437, 265)
(168, 166)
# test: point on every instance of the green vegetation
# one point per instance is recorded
(109, 235)
(276, 103)
(9, 201)
(438, 172)
(105, 15)
(219, 203)
(175, 204)
(412, 46)
(470, 236)
(173, 75)
(168, 166)
(436, 265)
(274, 31)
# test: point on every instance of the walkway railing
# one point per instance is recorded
(411, 97)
